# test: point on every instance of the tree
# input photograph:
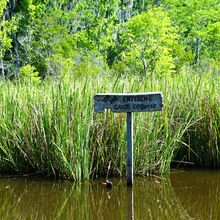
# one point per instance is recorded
(198, 27)
(148, 40)
(7, 26)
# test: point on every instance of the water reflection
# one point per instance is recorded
(183, 195)
(130, 204)
(198, 192)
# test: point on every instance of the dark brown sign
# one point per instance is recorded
(129, 102)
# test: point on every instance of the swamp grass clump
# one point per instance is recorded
(51, 129)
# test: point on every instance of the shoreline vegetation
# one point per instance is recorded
(50, 128)
(55, 55)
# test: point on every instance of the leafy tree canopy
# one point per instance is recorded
(141, 37)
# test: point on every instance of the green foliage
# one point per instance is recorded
(51, 128)
(7, 27)
(79, 64)
(138, 37)
(148, 43)
(28, 73)
(198, 27)
(3, 4)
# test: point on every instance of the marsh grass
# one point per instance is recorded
(51, 129)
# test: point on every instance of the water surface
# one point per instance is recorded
(193, 194)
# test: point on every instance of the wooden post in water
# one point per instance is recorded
(129, 102)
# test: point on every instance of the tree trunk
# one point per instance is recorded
(197, 56)
(8, 14)
(16, 53)
(157, 2)
(2, 69)
(126, 6)
(9, 11)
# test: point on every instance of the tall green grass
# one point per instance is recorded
(51, 129)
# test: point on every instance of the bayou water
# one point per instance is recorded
(193, 194)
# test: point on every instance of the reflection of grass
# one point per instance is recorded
(155, 199)
(25, 199)
(199, 192)
(51, 128)
(8, 206)
(152, 199)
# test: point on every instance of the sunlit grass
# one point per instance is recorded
(51, 129)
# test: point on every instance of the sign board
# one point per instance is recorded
(129, 102)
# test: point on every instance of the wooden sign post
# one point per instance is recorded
(129, 102)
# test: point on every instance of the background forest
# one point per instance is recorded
(55, 55)
(94, 36)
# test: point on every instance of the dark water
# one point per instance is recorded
(181, 195)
